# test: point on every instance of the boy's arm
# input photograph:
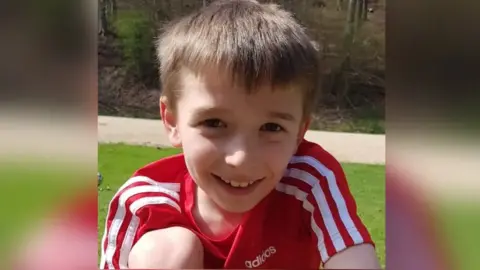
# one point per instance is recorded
(170, 248)
(341, 239)
(139, 207)
(361, 256)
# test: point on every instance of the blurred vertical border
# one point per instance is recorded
(433, 148)
(48, 120)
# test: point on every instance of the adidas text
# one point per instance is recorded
(260, 259)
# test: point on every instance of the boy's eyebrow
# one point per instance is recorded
(282, 115)
(210, 110)
(217, 110)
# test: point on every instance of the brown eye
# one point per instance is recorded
(214, 123)
(272, 127)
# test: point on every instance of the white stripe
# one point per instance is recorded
(103, 257)
(302, 196)
(133, 226)
(171, 186)
(128, 242)
(336, 194)
(143, 189)
(321, 203)
(121, 211)
(153, 200)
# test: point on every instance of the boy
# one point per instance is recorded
(239, 84)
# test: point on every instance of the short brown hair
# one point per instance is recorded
(256, 43)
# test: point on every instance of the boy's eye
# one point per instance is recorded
(214, 123)
(272, 127)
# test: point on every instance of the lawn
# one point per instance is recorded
(117, 162)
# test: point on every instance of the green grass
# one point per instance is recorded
(31, 190)
(458, 223)
(117, 162)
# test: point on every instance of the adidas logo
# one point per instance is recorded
(260, 259)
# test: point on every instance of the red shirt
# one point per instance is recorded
(310, 216)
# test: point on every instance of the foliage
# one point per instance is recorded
(350, 34)
(136, 33)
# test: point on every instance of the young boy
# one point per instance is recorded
(239, 83)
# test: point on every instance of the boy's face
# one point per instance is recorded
(236, 145)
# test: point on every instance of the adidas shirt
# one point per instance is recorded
(309, 217)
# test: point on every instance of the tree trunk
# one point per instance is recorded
(99, 18)
(305, 9)
(365, 10)
(169, 10)
(103, 20)
(155, 12)
(114, 8)
(351, 10)
(358, 14)
(350, 25)
(339, 5)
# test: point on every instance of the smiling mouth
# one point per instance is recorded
(236, 184)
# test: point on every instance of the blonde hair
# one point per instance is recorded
(258, 44)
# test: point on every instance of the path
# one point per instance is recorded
(346, 147)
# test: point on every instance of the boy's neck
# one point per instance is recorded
(211, 219)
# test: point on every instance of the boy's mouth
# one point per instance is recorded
(236, 184)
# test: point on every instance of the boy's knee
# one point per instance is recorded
(188, 249)
(169, 248)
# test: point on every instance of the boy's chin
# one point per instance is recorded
(236, 208)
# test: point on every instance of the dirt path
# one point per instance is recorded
(346, 147)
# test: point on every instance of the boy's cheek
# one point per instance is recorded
(198, 150)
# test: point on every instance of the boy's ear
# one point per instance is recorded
(170, 122)
(303, 129)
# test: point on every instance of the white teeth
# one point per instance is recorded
(244, 184)
(238, 184)
(235, 184)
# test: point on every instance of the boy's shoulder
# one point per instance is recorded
(165, 175)
(310, 154)
(150, 200)
(159, 182)
(317, 184)
(169, 169)
(315, 171)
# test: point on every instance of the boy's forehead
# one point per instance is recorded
(208, 76)
(216, 79)
(215, 92)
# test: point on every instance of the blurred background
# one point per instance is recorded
(350, 34)
(48, 128)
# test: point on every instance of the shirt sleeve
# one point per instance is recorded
(334, 222)
(141, 205)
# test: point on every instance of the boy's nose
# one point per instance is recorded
(239, 153)
(236, 158)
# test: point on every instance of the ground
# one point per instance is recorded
(117, 162)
